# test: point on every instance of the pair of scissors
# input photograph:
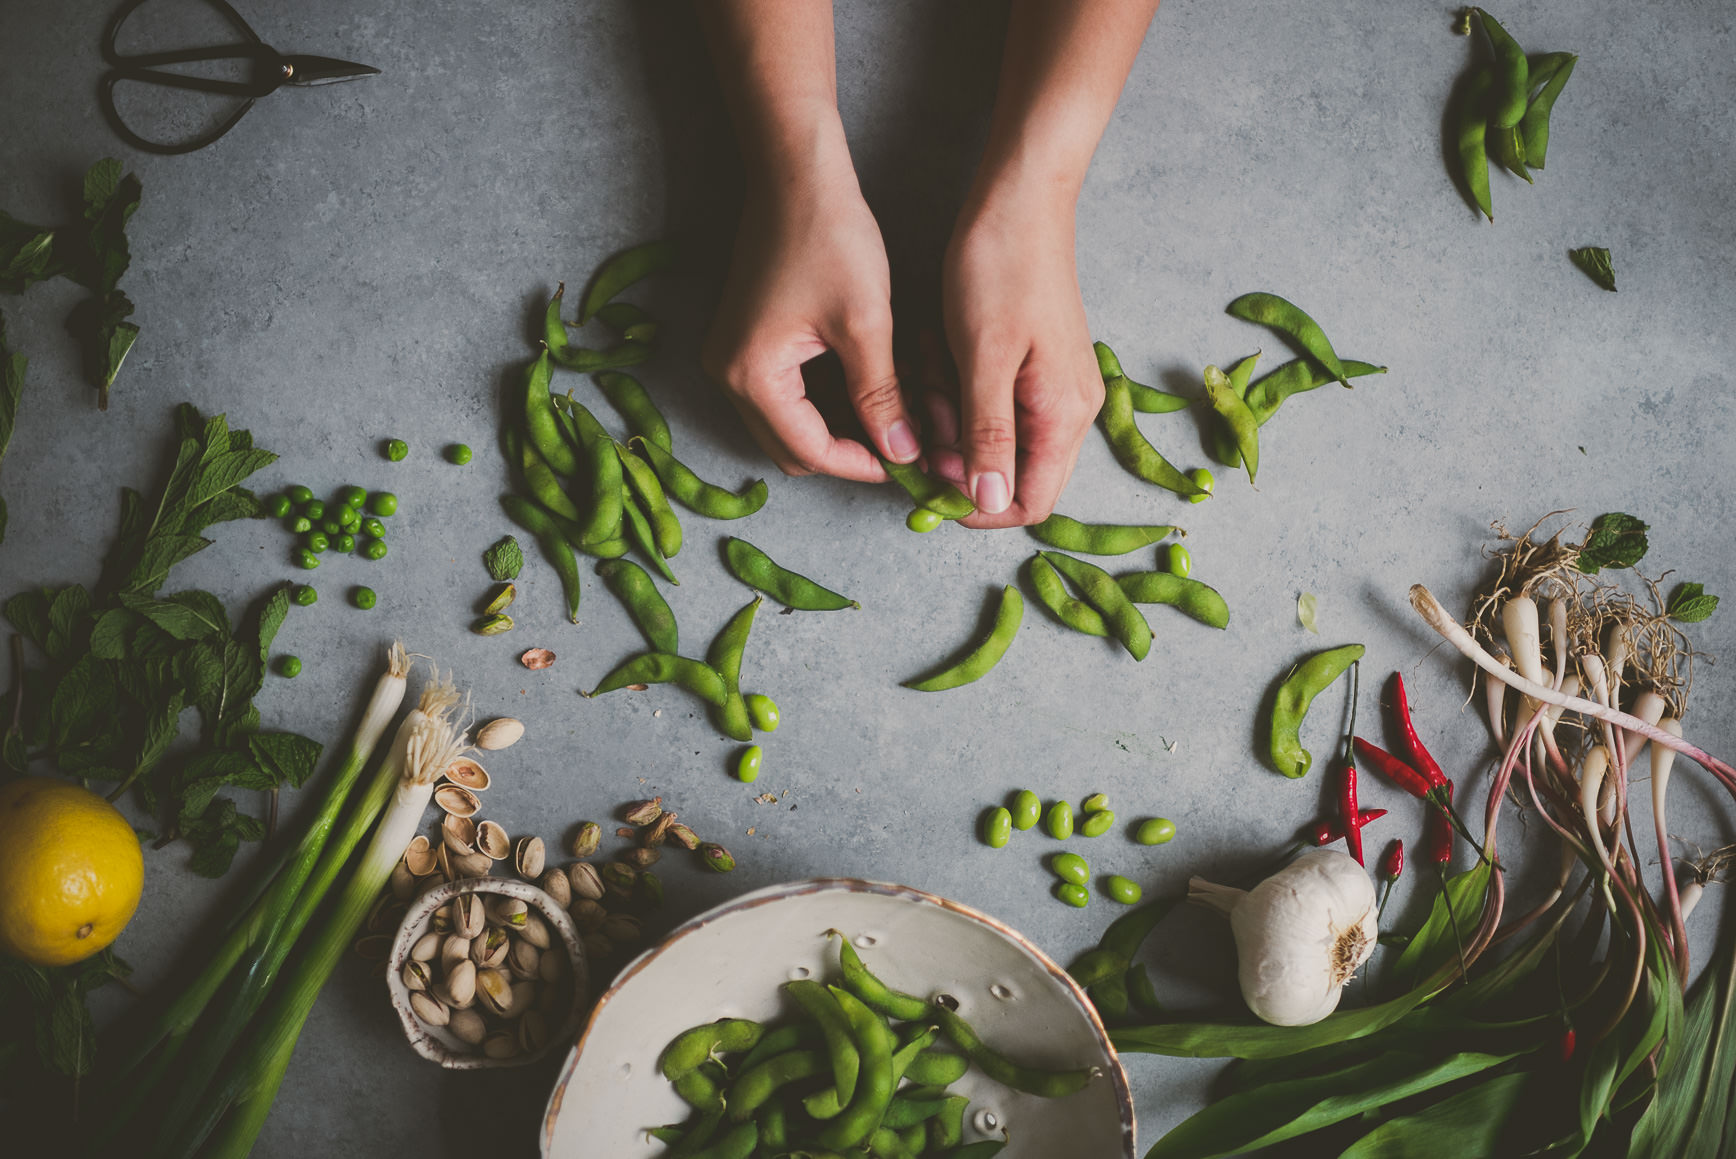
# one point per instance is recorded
(270, 70)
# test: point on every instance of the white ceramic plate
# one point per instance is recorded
(731, 961)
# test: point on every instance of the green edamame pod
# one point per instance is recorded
(1310, 678)
(695, 493)
(1141, 992)
(661, 668)
(644, 603)
(936, 1068)
(1554, 68)
(1512, 74)
(1189, 596)
(622, 270)
(1053, 594)
(997, 828)
(687, 1050)
(1067, 534)
(540, 481)
(554, 330)
(639, 534)
(1103, 593)
(976, 665)
(773, 1120)
(1032, 1080)
(628, 320)
(946, 1130)
(904, 1112)
(823, 1008)
(1110, 997)
(985, 1149)
(870, 989)
(774, 1042)
(757, 570)
(724, 655)
(1244, 427)
(665, 527)
(739, 1143)
(541, 428)
(750, 1091)
(633, 402)
(1286, 318)
(587, 361)
(607, 516)
(1026, 810)
(1268, 394)
(1131, 448)
(1221, 441)
(1470, 128)
(1145, 399)
(874, 1081)
(936, 495)
(554, 546)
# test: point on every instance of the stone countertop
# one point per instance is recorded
(368, 260)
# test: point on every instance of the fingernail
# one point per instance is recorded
(991, 494)
(901, 441)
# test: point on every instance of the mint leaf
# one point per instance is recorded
(1616, 541)
(287, 757)
(185, 615)
(1594, 262)
(26, 255)
(504, 560)
(1689, 604)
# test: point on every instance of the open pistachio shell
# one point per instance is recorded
(494, 990)
(443, 863)
(458, 834)
(403, 882)
(535, 931)
(523, 959)
(429, 1009)
(427, 947)
(457, 800)
(472, 865)
(416, 975)
(469, 915)
(419, 856)
(587, 883)
(491, 839)
(453, 951)
(490, 950)
(528, 858)
(467, 772)
(623, 929)
(587, 915)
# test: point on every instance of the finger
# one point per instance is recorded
(871, 379)
(942, 420)
(788, 428)
(1052, 428)
(946, 463)
(989, 432)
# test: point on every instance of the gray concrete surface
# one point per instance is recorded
(366, 260)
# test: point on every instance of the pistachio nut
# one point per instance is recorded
(468, 1027)
(552, 967)
(502, 1044)
(494, 989)
(533, 1032)
(557, 885)
(467, 772)
(460, 983)
(402, 882)
(491, 947)
(683, 836)
(597, 947)
(659, 830)
(587, 915)
(523, 998)
(716, 858)
(453, 950)
(469, 915)
(587, 838)
(618, 878)
(458, 834)
(528, 859)
(508, 911)
(585, 880)
(492, 625)
(472, 865)
(491, 839)
(443, 862)
(385, 912)
(426, 948)
(374, 947)
(500, 598)
(429, 1009)
(623, 930)
(419, 856)
(415, 975)
(499, 733)
(523, 959)
(457, 799)
(552, 999)
(643, 813)
(643, 857)
(535, 931)
(649, 891)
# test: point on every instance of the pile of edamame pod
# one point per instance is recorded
(1504, 108)
(858, 1071)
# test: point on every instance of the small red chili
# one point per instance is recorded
(1347, 810)
(1440, 832)
(1419, 755)
(1568, 1039)
(1393, 769)
(1392, 862)
(1327, 832)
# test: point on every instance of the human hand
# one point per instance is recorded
(810, 275)
(1028, 382)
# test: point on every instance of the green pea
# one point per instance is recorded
(763, 711)
(346, 515)
(374, 528)
(1157, 831)
(747, 765)
(458, 454)
(314, 509)
(301, 525)
(1179, 562)
(352, 497)
(998, 828)
(375, 549)
(1059, 821)
(383, 503)
(1026, 810)
(937, 495)
(276, 507)
(364, 598)
(331, 527)
(344, 543)
(318, 542)
(1202, 479)
(397, 450)
(306, 558)
(305, 595)
(1076, 896)
(923, 520)
(298, 494)
(1098, 823)
(1095, 803)
(1122, 890)
(1070, 867)
(289, 666)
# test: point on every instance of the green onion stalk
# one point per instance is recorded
(252, 937)
(431, 740)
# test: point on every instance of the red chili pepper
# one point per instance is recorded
(1327, 832)
(1568, 1039)
(1347, 810)
(1420, 758)
(1392, 862)
(1440, 832)
(1393, 769)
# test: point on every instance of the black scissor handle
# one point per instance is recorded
(270, 71)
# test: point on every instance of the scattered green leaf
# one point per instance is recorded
(1689, 604)
(1594, 262)
(504, 560)
(1616, 540)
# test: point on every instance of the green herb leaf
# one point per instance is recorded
(109, 202)
(1689, 604)
(26, 255)
(28, 612)
(504, 560)
(1474, 1119)
(191, 615)
(287, 757)
(217, 835)
(1594, 262)
(1616, 540)
(1306, 609)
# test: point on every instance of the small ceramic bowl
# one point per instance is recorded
(731, 961)
(440, 1044)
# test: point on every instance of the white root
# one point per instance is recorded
(1558, 636)
(1524, 641)
(1495, 696)
(1649, 707)
(1591, 778)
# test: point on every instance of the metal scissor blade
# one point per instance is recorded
(323, 70)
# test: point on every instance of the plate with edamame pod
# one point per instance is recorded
(1027, 1049)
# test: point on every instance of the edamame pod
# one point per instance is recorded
(633, 402)
(1185, 595)
(1470, 140)
(1053, 594)
(874, 1081)
(739, 1143)
(1100, 589)
(870, 989)
(1244, 427)
(644, 603)
(662, 668)
(1310, 678)
(692, 1047)
(1554, 68)
(606, 518)
(1512, 75)
(757, 570)
(823, 1008)
(732, 718)
(936, 495)
(936, 1068)
(540, 481)
(1145, 399)
(639, 533)
(1267, 394)
(624, 269)
(665, 527)
(1131, 448)
(540, 426)
(750, 1091)
(1050, 1084)
(985, 655)
(1067, 534)
(554, 546)
(1286, 318)
(695, 493)
(628, 320)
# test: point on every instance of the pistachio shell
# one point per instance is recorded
(508, 911)
(403, 882)
(586, 881)
(499, 733)
(494, 989)
(426, 948)
(642, 858)
(557, 885)
(552, 968)
(683, 836)
(446, 998)
(588, 915)
(468, 1027)
(469, 915)
(453, 950)
(500, 598)
(443, 864)
(458, 834)
(419, 856)
(491, 949)
(533, 1032)
(535, 931)
(457, 799)
(523, 998)
(472, 865)
(461, 983)
(597, 947)
(659, 830)
(643, 812)
(528, 859)
(428, 1009)
(491, 839)
(466, 772)
(374, 947)
(385, 913)
(623, 930)
(586, 839)
(416, 975)
(618, 878)
(649, 891)
(502, 1044)
(523, 959)
(492, 625)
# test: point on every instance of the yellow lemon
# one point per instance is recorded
(70, 871)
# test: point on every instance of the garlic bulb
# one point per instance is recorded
(1300, 934)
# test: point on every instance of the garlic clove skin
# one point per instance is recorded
(1300, 934)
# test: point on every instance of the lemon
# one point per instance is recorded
(70, 871)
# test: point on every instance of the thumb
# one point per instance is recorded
(989, 440)
(871, 378)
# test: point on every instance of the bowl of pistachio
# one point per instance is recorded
(487, 972)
